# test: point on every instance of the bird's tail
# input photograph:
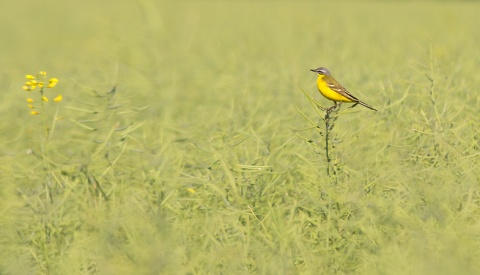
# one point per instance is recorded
(366, 105)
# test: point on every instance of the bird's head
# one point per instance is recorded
(321, 70)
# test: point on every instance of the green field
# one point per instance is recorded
(207, 158)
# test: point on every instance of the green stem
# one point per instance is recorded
(44, 148)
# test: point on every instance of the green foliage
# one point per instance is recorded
(188, 147)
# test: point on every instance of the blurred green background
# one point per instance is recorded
(201, 162)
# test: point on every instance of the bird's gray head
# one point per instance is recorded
(321, 70)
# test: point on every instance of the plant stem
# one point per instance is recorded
(329, 123)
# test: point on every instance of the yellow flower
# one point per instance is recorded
(29, 100)
(191, 190)
(31, 106)
(27, 88)
(44, 98)
(34, 113)
(30, 85)
(52, 82)
(58, 98)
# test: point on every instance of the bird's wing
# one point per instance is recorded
(334, 85)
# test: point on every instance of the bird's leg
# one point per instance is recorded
(334, 106)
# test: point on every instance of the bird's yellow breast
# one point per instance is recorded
(329, 93)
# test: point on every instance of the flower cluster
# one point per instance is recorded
(39, 81)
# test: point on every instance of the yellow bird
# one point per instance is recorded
(331, 89)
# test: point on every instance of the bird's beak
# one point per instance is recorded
(313, 70)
